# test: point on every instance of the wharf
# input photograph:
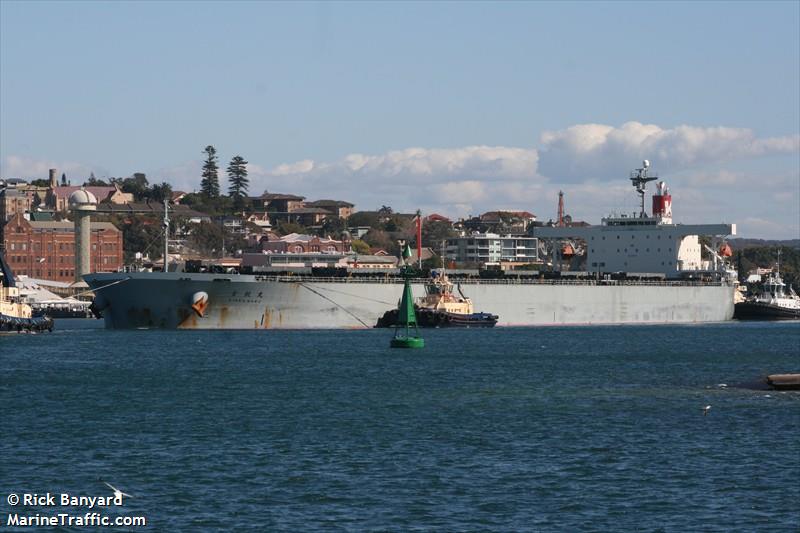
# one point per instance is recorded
(784, 381)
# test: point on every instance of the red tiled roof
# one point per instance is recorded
(99, 191)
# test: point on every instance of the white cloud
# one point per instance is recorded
(590, 162)
(14, 166)
(447, 180)
(599, 151)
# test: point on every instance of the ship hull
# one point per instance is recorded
(764, 311)
(164, 300)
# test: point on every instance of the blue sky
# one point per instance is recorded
(450, 107)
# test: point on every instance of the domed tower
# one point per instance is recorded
(82, 203)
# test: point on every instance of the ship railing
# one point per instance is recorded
(477, 281)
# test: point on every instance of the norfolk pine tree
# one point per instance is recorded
(237, 179)
(209, 185)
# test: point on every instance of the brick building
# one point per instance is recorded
(302, 244)
(46, 250)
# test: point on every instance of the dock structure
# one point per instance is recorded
(784, 381)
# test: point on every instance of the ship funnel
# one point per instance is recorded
(662, 203)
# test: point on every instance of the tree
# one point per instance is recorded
(285, 228)
(94, 182)
(206, 238)
(380, 239)
(436, 231)
(364, 218)
(159, 193)
(360, 247)
(136, 185)
(333, 226)
(209, 185)
(141, 234)
(237, 180)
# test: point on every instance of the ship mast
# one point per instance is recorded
(639, 179)
(166, 236)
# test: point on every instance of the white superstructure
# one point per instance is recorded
(645, 243)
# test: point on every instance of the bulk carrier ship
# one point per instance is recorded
(639, 269)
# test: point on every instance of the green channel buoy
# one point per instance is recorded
(406, 319)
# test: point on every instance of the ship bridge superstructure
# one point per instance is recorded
(643, 243)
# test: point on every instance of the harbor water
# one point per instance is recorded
(517, 429)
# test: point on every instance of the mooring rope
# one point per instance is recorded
(101, 288)
(356, 296)
(334, 303)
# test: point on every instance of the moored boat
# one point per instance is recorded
(441, 308)
(639, 269)
(16, 315)
(774, 302)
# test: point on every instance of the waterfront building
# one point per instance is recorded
(301, 244)
(365, 262)
(491, 248)
(46, 249)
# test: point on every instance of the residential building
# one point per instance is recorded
(317, 260)
(277, 203)
(12, 201)
(501, 222)
(301, 244)
(46, 249)
(308, 216)
(19, 197)
(153, 208)
(337, 208)
(436, 217)
(58, 197)
(260, 219)
(483, 248)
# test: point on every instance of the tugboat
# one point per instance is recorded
(440, 308)
(774, 302)
(15, 315)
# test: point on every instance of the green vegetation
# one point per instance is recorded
(140, 234)
(333, 227)
(238, 182)
(749, 259)
(209, 185)
(436, 231)
(285, 228)
(94, 182)
(360, 247)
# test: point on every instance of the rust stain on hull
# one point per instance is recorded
(187, 320)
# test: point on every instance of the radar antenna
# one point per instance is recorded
(639, 179)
